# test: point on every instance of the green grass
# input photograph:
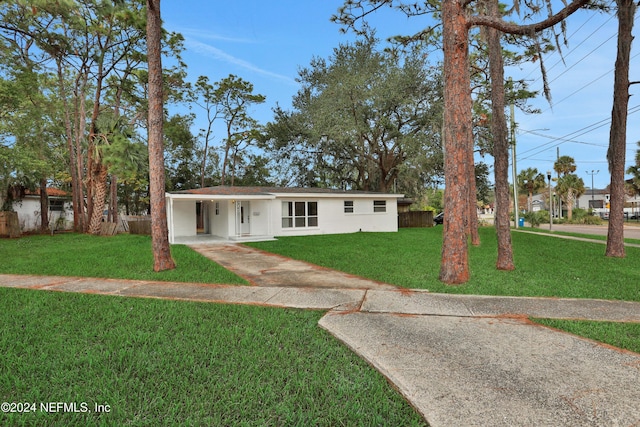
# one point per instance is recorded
(180, 363)
(584, 236)
(159, 362)
(621, 335)
(544, 267)
(411, 259)
(120, 257)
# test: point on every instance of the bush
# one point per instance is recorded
(583, 216)
(537, 218)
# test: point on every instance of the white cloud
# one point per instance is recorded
(219, 54)
(208, 35)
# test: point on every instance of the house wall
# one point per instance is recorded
(219, 218)
(332, 218)
(260, 212)
(28, 210)
(260, 217)
(265, 216)
(184, 218)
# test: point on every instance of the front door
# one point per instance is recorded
(245, 215)
(202, 218)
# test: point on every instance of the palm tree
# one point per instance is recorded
(564, 165)
(530, 181)
(570, 187)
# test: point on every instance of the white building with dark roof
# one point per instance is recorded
(263, 213)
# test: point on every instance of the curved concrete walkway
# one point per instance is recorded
(461, 360)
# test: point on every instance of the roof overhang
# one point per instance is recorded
(214, 197)
(337, 195)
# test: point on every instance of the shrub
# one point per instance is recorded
(537, 218)
(583, 216)
(592, 220)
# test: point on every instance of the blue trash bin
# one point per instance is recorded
(521, 222)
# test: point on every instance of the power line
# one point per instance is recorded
(575, 134)
(563, 57)
(608, 73)
(582, 59)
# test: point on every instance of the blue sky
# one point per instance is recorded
(267, 42)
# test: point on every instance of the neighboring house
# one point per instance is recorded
(538, 202)
(596, 199)
(262, 213)
(599, 200)
(60, 210)
(593, 199)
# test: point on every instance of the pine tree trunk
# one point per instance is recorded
(44, 205)
(454, 266)
(500, 146)
(618, 133)
(113, 199)
(81, 126)
(159, 230)
(73, 170)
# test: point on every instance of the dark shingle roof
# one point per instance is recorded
(263, 191)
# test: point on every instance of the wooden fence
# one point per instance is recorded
(415, 219)
(140, 226)
(9, 226)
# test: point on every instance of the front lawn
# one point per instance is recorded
(622, 335)
(544, 267)
(410, 258)
(123, 256)
(159, 362)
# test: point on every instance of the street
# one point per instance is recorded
(631, 231)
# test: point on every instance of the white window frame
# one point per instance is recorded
(349, 206)
(379, 206)
(299, 214)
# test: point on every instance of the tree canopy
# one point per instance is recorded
(363, 119)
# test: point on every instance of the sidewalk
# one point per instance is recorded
(461, 360)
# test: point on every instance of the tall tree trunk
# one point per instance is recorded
(44, 205)
(75, 185)
(458, 140)
(159, 230)
(113, 199)
(618, 133)
(570, 202)
(500, 145)
(81, 126)
(99, 193)
(97, 181)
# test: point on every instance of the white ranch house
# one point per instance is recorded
(60, 210)
(263, 213)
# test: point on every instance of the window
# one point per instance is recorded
(348, 206)
(56, 205)
(217, 208)
(379, 205)
(299, 214)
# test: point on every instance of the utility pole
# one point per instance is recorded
(592, 173)
(550, 202)
(513, 163)
(559, 198)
